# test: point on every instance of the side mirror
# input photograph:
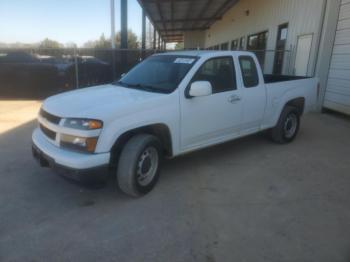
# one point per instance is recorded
(200, 88)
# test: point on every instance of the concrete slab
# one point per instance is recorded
(247, 200)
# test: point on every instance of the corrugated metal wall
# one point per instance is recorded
(304, 17)
(337, 95)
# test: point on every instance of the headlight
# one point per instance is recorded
(83, 124)
(85, 144)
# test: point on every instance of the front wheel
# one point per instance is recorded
(139, 165)
(287, 127)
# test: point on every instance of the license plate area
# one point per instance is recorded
(43, 159)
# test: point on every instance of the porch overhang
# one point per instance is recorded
(172, 18)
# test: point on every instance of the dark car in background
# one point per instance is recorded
(93, 71)
(27, 75)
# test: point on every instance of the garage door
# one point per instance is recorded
(338, 89)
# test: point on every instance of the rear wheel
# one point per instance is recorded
(139, 165)
(287, 127)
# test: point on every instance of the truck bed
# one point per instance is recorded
(281, 78)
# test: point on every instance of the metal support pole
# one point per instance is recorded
(154, 38)
(124, 24)
(158, 40)
(112, 24)
(124, 34)
(76, 68)
(113, 38)
(143, 38)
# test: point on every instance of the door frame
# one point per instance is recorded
(296, 51)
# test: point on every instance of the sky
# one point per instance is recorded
(78, 21)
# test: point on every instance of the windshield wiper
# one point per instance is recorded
(120, 83)
(148, 88)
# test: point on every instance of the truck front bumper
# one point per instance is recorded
(71, 164)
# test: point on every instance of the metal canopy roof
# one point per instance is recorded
(172, 18)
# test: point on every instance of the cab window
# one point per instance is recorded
(220, 72)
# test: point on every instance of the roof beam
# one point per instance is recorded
(205, 7)
(167, 1)
(172, 35)
(222, 9)
(160, 15)
(172, 13)
(204, 19)
(169, 40)
(175, 41)
(185, 29)
(189, 14)
(173, 38)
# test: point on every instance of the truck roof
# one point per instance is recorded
(203, 53)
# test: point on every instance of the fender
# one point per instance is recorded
(292, 96)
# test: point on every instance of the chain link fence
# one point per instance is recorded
(39, 73)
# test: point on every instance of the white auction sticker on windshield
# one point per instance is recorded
(184, 61)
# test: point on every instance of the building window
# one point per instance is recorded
(242, 43)
(224, 46)
(249, 71)
(220, 72)
(258, 43)
(234, 45)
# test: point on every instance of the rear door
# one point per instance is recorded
(253, 94)
(215, 118)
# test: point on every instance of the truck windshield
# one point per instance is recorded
(162, 73)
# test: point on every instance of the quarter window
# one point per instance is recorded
(249, 71)
(219, 72)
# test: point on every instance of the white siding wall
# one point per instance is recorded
(338, 89)
(303, 16)
(194, 39)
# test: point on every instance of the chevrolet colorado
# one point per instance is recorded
(168, 105)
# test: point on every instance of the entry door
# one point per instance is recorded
(303, 55)
(215, 118)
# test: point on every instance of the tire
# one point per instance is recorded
(287, 126)
(139, 165)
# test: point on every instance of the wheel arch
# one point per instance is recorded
(298, 103)
(161, 131)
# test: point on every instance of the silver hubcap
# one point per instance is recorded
(290, 125)
(147, 166)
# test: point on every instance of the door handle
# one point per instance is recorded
(234, 99)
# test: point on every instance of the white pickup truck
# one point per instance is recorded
(168, 105)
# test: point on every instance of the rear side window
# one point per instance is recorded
(249, 71)
(219, 72)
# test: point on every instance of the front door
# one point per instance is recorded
(303, 55)
(212, 119)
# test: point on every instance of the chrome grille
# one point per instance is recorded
(49, 133)
(49, 117)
